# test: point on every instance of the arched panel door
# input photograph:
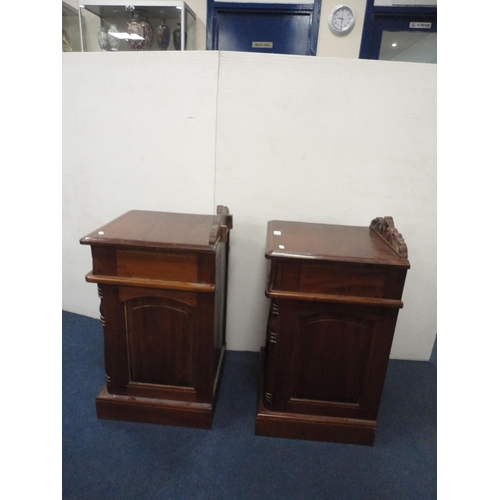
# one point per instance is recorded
(325, 373)
(160, 339)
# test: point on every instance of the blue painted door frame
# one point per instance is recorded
(287, 17)
(378, 19)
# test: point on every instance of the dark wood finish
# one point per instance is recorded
(335, 296)
(162, 280)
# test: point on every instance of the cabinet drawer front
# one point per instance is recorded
(355, 280)
(159, 266)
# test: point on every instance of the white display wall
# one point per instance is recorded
(313, 139)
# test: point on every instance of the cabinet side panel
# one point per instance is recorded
(395, 283)
(383, 335)
(204, 363)
(104, 260)
(115, 346)
(220, 302)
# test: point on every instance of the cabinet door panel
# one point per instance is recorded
(160, 340)
(323, 359)
(330, 356)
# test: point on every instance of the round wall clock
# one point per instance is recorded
(341, 20)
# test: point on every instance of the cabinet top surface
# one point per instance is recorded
(157, 230)
(304, 240)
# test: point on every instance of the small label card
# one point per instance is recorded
(424, 26)
(262, 45)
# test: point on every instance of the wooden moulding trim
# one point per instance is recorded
(335, 430)
(154, 411)
(162, 392)
(223, 223)
(317, 419)
(338, 299)
(384, 227)
(150, 283)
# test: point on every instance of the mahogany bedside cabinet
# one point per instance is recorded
(162, 281)
(335, 296)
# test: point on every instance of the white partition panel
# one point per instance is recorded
(327, 140)
(138, 133)
(314, 139)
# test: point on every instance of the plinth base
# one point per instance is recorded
(153, 411)
(310, 427)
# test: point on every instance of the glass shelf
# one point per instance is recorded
(113, 26)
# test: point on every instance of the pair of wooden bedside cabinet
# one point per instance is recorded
(335, 295)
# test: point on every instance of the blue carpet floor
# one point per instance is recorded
(104, 459)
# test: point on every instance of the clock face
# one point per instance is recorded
(341, 20)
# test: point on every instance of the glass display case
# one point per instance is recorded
(110, 25)
(71, 41)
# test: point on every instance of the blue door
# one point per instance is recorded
(401, 34)
(271, 28)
